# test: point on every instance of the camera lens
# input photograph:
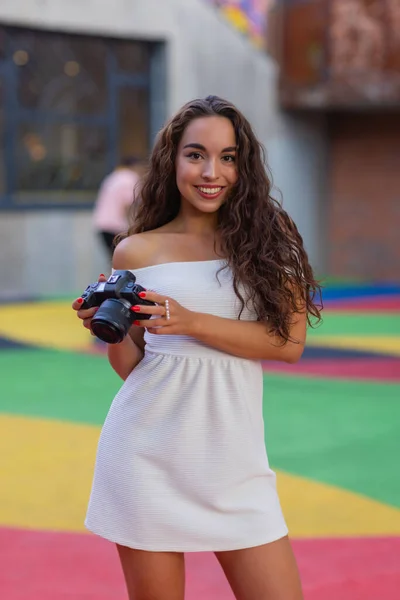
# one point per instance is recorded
(107, 332)
(112, 321)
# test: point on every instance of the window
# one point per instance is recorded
(60, 157)
(2, 44)
(72, 106)
(2, 141)
(133, 117)
(70, 77)
(132, 57)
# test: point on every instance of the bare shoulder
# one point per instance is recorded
(135, 251)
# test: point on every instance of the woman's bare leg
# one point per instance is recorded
(267, 572)
(153, 575)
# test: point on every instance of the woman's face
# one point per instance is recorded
(206, 163)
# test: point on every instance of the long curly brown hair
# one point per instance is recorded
(259, 240)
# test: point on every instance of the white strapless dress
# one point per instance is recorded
(181, 463)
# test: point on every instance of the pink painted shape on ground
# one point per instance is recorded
(39, 565)
(368, 304)
(62, 566)
(371, 369)
(350, 569)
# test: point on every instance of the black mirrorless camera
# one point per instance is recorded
(115, 297)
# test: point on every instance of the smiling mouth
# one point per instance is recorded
(211, 192)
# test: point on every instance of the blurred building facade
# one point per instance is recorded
(341, 59)
(83, 83)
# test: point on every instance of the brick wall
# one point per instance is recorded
(364, 196)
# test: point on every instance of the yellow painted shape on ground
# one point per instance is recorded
(378, 344)
(313, 509)
(46, 472)
(44, 324)
(54, 325)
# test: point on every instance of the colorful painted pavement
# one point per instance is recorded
(332, 425)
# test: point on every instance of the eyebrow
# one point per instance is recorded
(201, 147)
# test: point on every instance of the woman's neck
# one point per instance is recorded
(200, 224)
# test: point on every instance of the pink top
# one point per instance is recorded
(115, 196)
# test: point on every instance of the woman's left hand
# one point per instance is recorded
(173, 319)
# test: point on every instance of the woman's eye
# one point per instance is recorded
(194, 155)
(229, 158)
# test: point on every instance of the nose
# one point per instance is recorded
(211, 171)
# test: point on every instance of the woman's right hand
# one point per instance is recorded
(86, 315)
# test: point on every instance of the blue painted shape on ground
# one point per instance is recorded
(7, 344)
(360, 291)
(323, 353)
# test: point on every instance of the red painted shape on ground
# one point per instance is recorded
(62, 566)
(350, 569)
(371, 369)
(368, 304)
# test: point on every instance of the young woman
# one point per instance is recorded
(181, 464)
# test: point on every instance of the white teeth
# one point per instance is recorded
(210, 190)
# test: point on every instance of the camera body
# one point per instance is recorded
(114, 297)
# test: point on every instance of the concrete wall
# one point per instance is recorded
(203, 56)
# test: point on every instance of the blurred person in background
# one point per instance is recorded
(115, 197)
(181, 463)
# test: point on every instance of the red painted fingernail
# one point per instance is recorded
(142, 294)
(135, 308)
(80, 300)
(136, 322)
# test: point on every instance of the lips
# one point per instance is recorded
(210, 192)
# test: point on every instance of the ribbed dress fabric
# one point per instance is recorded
(181, 463)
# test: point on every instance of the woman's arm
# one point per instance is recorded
(246, 339)
(240, 338)
(124, 357)
(250, 339)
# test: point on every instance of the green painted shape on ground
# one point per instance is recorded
(329, 281)
(351, 324)
(344, 433)
(57, 385)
